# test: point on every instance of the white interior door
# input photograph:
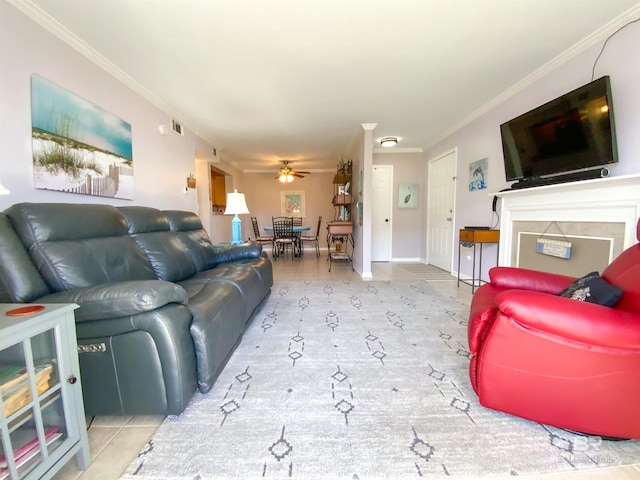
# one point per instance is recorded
(382, 208)
(441, 174)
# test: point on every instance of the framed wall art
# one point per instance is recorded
(408, 195)
(292, 203)
(478, 174)
(77, 146)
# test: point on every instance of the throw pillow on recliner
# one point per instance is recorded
(593, 288)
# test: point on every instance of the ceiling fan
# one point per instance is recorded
(286, 173)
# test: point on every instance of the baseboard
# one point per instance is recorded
(463, 276)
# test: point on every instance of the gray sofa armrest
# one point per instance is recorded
(119, 299)
(229, 253)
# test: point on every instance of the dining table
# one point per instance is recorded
(296, 229)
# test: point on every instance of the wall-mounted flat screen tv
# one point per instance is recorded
(573, 133)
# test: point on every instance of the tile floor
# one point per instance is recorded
(115, 441)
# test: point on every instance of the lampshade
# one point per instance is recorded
(236, 204)
(388, 142)
(4, 191)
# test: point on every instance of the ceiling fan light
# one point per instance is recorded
(286, 174)
(387, 142)
(285, 177)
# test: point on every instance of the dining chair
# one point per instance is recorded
(313, 240)
(282, 219)
(297, 222)
(261, 239)
(283, 237)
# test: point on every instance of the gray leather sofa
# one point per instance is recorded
(161, 308)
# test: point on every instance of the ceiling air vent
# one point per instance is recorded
(176, 127)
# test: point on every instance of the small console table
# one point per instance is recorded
(469, 238)
(341, 233)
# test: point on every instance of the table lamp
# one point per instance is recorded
(236, 204)
(3, 190)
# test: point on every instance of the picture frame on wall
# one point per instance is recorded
(292, 203)
(78, 147)
(478, 174)
(408, 195)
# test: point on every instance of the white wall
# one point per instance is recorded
(161, 163)
(263, 194)
(481, 138)
(360, 152)
(408, 223)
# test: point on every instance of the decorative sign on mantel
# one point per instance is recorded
(555, 248)
(611, 200)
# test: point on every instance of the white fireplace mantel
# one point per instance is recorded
(611, 199)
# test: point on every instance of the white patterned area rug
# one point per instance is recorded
(357, 380)
(428, 272)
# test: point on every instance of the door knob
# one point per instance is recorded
(386, 219)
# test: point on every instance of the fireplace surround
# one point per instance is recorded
(584, 208)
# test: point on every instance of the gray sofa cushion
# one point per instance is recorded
(168, 255)
(236, 252)
(244, 278)
(261, 265)
(216, 308)
(183, 221)
(119, 299)
(81, 245)
(189, 229)
(20, 282)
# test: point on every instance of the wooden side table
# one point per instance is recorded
(470, 238)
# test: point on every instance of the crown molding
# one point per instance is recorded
(590, 40)
(60, 31)
(271, 170)
(398, 150)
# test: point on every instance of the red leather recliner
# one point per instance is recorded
(558, 361)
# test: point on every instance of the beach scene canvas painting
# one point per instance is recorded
(77, 146)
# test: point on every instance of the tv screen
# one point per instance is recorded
(572, 133)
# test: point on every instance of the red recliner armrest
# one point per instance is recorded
(481, 314)
(484, 308)
(525, 279)
(571, 320)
